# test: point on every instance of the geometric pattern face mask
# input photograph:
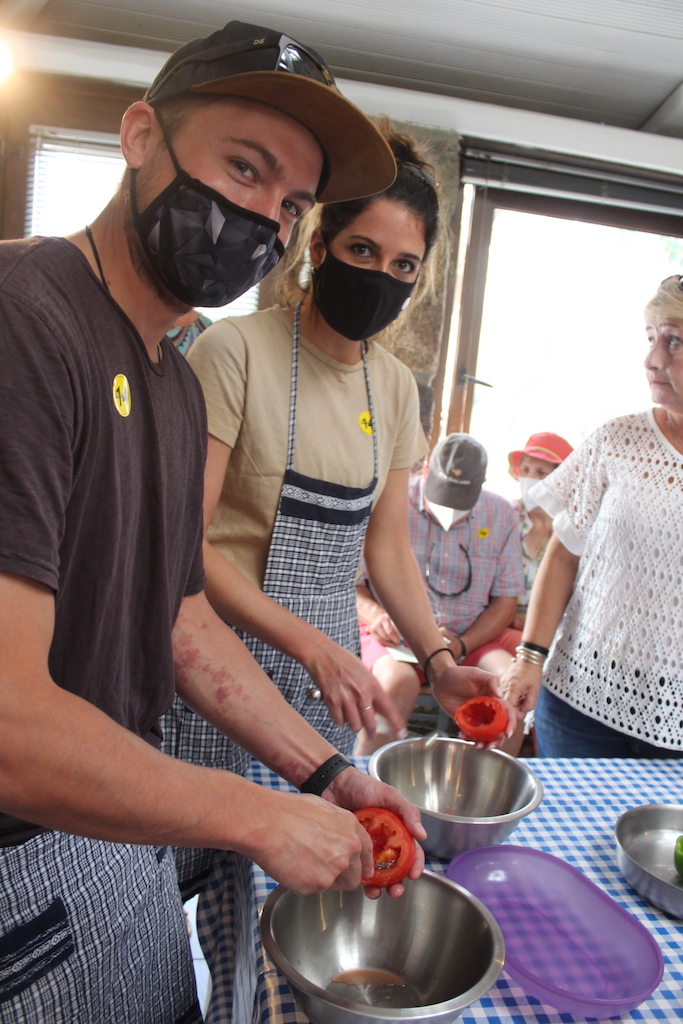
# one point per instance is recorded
(206, 250)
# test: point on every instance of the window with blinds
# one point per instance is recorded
(72, 176)
(586, 181)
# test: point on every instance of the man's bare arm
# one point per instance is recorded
(66, 765)
(219, 679)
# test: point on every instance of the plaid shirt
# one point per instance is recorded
(491, 537)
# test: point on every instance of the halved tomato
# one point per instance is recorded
(393, 847)
(482, 719)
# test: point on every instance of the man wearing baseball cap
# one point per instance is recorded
(101, 577)
(467, 545)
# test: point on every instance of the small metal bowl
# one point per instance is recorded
(645, 838)
(467, 797)
(438, 939)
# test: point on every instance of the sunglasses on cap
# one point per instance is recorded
(288, 55)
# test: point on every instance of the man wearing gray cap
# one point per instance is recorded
(467, 545)
(101, 580)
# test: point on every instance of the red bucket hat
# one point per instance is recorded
(549, 447)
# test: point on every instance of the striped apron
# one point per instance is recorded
(92, 933)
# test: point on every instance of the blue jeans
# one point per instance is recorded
(562, 731)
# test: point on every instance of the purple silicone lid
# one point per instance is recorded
(566, 941)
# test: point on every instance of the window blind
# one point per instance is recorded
(72, 176)
(597, 183)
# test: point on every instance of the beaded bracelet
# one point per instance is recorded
(545, 651)
(318, 782)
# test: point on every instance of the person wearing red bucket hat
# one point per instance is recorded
(102, 602)
(534, 462)
(544, 448)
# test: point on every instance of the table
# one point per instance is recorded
(582, 801)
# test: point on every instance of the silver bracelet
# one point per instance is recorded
(531, 657)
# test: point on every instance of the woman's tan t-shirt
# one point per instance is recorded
(244, 367)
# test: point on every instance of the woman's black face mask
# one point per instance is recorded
(206, 250)
(356, 302)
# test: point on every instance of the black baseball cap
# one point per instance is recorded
(256, 63)
(457, 471)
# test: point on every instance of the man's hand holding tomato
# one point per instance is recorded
(452, 684)
(305, 842)
(355, 790)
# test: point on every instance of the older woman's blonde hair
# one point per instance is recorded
(668, 301)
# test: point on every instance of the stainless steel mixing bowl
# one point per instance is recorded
(467, 797)
(437, 939)
(646, 837)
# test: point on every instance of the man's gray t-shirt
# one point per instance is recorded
(101, 475)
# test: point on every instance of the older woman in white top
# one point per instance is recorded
(612, 577)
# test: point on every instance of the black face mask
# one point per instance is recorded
(206, 250)
(355, 302)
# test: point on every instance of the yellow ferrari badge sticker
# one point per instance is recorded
(121, 393)
(365, 422)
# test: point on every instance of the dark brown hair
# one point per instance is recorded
(414, 188)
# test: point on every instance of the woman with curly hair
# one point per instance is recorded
(313, 429)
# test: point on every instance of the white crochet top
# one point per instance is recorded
(618, 654)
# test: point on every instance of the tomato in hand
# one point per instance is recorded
(481, 719)
(393, 848)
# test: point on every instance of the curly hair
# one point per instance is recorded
(414, 187)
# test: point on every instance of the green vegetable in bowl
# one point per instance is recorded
(678, 856)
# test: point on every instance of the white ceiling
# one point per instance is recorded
(613, 62)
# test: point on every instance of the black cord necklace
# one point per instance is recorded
(160, 351)
(97, 257)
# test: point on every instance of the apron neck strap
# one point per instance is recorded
(296, 335)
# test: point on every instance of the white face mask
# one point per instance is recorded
(526, 482)
(446, 516)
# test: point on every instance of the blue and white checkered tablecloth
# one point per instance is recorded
(583, 799)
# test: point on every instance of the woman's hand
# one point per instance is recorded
(351, 693)
(384, 631)
(521, 685)
(452, 685)
(354, 790)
